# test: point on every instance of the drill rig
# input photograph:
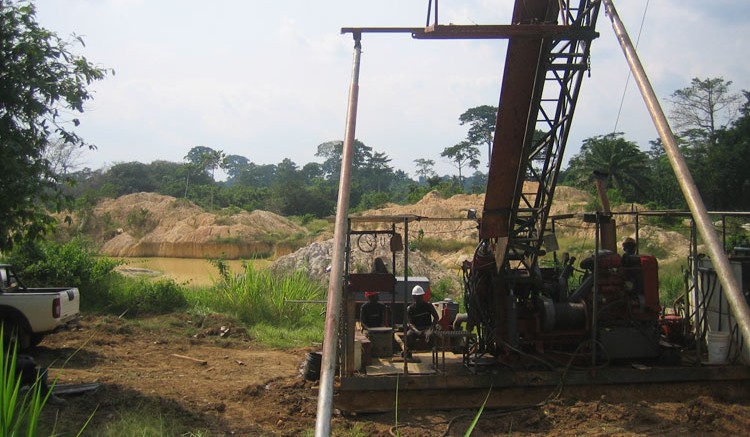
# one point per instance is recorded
(516, 306)
(519, 309)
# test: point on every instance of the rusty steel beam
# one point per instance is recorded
(504, 378)
(336, 279)
(523, 74)
(500, 31)
(515, 388)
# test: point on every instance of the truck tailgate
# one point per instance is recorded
(70, 302)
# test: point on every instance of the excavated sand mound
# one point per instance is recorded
(154, 225)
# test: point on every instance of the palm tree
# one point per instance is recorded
(625, 164)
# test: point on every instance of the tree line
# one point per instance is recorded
(712, 125)
(286, 188)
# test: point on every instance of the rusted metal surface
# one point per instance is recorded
(483, 31)
(523, 74)
(382, 400)
(335, 285)
(504, 378)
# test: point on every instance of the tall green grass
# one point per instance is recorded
(19, 413)
(273, 306)
(145, 421)
(671, 283)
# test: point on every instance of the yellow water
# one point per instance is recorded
(190, 271)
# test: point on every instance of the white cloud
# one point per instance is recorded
(269, 80)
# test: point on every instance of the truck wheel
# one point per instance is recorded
(36, 339)
(17, 332)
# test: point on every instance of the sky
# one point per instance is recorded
(269, 79)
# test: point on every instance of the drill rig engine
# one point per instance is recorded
(515, 305)
(536, 313)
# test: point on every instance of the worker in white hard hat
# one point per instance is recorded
(421, 319)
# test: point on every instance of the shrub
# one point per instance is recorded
(140, 221)
(72, 264)
(441, 289)
(143, 296)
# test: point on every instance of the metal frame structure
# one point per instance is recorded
(509, 211)
(544, 67)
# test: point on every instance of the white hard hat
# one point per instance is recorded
(417, 290)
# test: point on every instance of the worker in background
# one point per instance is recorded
(372, 312)
(379, 266)
(421, 319)
(30, 374)
(629, 257)
(628, 246)
(631, 266)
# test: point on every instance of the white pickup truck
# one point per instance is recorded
(30, 313)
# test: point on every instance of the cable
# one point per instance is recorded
(627, 81)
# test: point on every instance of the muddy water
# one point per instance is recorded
(190, 271)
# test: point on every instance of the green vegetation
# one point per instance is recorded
(478, 415)
(19, 412)
(44, 87)
(149, 419)
(142, 296)
(428, 244)
(671, 284)
(257, 298)
(442, 289)
(261, 300)
(140, 222)
(45, 263)
(313, 225)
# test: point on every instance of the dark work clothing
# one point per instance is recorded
(422, 316)
(372, 315)
(30, 373)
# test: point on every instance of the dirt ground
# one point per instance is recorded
(210, 380)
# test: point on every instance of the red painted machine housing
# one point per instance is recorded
(650, 272)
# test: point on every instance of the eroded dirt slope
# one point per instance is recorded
(150, 224)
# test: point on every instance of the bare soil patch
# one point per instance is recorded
(245, 389)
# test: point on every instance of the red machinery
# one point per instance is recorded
(515, 305)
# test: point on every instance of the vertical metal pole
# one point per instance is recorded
(595, 295)
(554, 254)
(393, 295)
(333, 307)
(720, 262)
(696, 295)
(407, 292)
(637, 232)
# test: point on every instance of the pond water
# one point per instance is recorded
(193, 271)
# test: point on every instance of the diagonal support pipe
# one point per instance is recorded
(698, 209)
(336, 279)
